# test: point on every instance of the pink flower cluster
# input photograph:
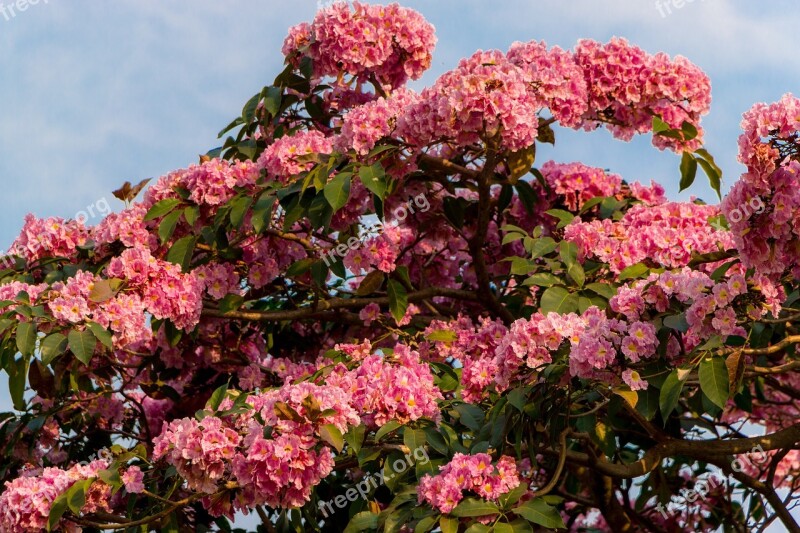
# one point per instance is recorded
(210, 183)
(127, 227)
(707, 304)
(384, 388)
(596, 343)
(199, 451)
(555, 79)
(365, 125)
(291, 155)
(26, 501)
(763, 207)
(577, 183)
(282, 470)
(474, 347)
(390, 42)
(218, 279)
(667, 235)
(468, 473)
(279, 468)
(124, 313)
(166, 292)
(378, 252)
(652, 195)
(485, 96)
(626, 86)
(49, 237)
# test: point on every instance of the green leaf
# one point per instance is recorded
(714, 176)
(413, 438)
(181, 252)
(272, 100)
(371, 283)
(603, 289)
(331, 434)
(191, 214)
(320, 212)
(647, 402)
(101, 334)
(474, 507)
(659, 126)
(670, 394)
(539, 512)
(374, 179)
(385, 429)
(558, 300)
(355, 437)
(82, 344)
(104, 289)
(714, 381)
(18, 371)
(363, 521)
(442, 335)
(711, 168)
(52, 346)
(167, 226)
(542, 247)
(425, 525)
(564, 217)
(262, 211)
(398, 299)
(639, 270)
(677, 322)
(299, 268)
(526, 195)
(231, 302)
(162, 208)
(337, 191)
(239, 209)
(688, 170)
(76, 495)
(568, 251)
(470, 415)
(575, 271)
(454, 210)
(57, 510)
(217, 396)
(249, 109)
(517, 526)
(26, 337)
(543, 279)
(448, 525)
(435, 440)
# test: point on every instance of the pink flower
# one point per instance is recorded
(291, 155)
(634, 380)
(133, 478)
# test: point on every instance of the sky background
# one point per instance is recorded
(96, 93)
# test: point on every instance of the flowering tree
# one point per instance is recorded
(373, 309)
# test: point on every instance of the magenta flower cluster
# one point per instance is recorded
(468, 474)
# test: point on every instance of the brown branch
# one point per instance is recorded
(447, 166)
(709, 450)
(477, 241)
(769, 493)
(562, 459)
(337, 303)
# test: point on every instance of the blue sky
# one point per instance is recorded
(96, 93)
